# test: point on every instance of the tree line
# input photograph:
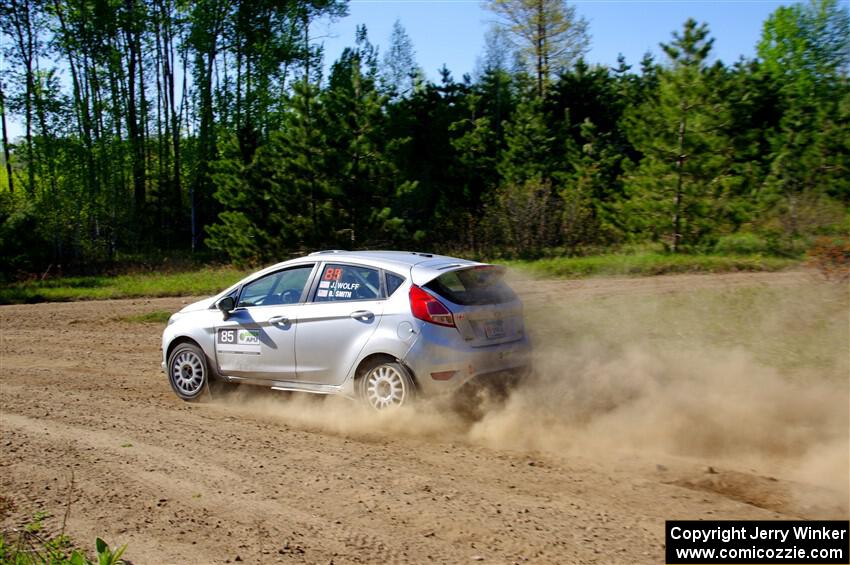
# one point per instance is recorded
(154, 126)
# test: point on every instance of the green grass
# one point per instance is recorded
(210, 280)
(649, 264)
(35, 545)
(155, 317)
(202, 282)
(31, 546)
(30, 549)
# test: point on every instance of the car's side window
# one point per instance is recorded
(282, 287)
(393, 282)
(348, 282)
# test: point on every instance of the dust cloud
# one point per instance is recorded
(752, 377)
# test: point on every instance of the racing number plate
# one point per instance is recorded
(238, 336)
(227, 336)
(494, 329)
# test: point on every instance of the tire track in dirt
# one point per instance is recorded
(205, 483)
(136, 466)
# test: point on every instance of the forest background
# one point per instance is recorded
(214, 130)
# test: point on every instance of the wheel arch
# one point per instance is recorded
(380, 356)
(211, 364)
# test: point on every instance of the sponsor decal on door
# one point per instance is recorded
(238, 340)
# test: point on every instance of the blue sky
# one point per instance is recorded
(452, 31)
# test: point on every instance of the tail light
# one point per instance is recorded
(427, 308)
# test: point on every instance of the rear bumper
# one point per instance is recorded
(442, 350)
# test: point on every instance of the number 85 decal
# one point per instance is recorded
(227, 336)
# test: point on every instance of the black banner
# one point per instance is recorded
(744, 542)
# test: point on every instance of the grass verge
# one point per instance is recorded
(650, 264)
(202, 282)
(211, 280)
(155, 317)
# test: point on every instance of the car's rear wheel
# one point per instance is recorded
(479, 396)
(187, 371)
(386, 384)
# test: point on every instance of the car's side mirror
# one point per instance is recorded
(226, 305)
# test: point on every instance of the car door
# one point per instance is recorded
(345, 307)
(258, 338)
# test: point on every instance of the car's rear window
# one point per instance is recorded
(478, 285)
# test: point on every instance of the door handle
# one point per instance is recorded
(279, 321)
(362, 315)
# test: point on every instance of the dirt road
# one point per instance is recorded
(583, 467)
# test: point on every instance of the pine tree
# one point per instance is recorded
(526, 208)
(361, 178)
(679, 131)
(299, 154)
(276, 194)
(589, 190)
(529, 143)
(243, 229)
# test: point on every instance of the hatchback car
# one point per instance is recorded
(382, 326)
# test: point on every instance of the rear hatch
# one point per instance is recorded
(486, 311)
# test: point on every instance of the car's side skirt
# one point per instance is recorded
(291, 386)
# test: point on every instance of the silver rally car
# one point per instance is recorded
(382, 326)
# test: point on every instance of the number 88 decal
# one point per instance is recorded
(332, 274)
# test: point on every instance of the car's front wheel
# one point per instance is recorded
(386, 384)
(187, 371)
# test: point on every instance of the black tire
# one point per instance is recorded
(385, 384)
(188, 371)
(479, 396)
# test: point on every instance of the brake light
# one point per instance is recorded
(427, 308)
